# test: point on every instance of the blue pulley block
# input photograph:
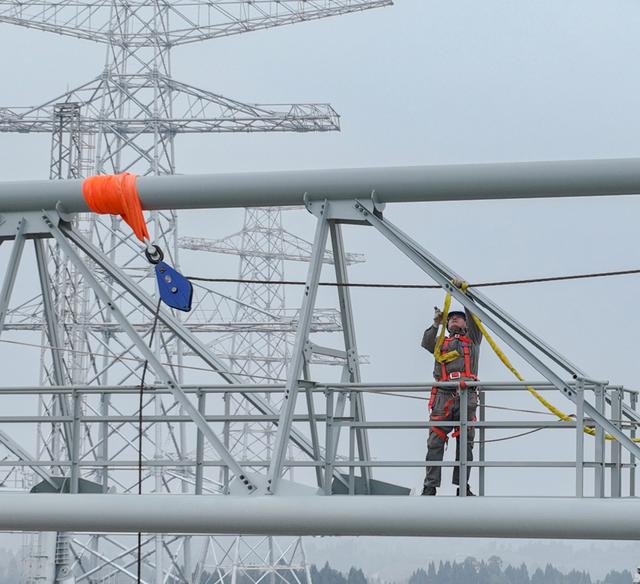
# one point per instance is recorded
(175, 290)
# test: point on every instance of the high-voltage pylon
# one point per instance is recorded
(126, 119)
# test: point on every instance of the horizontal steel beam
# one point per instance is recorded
(557, 518)
(513, 180)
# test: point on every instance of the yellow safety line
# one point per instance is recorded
(505, 360)
(450, 355)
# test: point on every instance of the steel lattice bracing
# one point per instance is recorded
(189, 20)
(126, 119)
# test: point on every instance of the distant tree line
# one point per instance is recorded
(472, 571)
(469, 571)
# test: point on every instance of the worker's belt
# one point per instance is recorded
(459, 375)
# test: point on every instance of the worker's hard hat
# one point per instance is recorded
(456, 313)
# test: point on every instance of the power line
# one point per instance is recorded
(585, 276)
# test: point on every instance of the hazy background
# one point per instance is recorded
(424, 82)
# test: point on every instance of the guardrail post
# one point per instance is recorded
(329, 435)
(463, 441)
(616, 450)
(632, 459)
(352, 443)
(598, 489)
(580, 439)
(481, 438)
(75, 441)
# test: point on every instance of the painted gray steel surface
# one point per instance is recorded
(282, 515)
(569, 178)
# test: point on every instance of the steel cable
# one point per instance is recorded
(544, 279)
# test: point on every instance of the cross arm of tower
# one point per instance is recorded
(291, 247)
(184, 21)
(194, 111)
(198, 110)
(220, 19)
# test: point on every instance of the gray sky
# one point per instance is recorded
(419, 83)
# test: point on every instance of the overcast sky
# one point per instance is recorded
(426, 82)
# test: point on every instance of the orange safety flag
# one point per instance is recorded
(116, 194)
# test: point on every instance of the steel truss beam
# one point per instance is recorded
(181, 332)
(461, 182)
(160, 370)
(190, 20)
(390, 516)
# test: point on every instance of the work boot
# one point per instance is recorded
(431, 491)
(469, 492)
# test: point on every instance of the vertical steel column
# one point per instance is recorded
(482, 435)
(599, 446)
(352, 444)
(75, 440)
(616, 450)
(226, 437)
(283, 434)
(463, 441)
(580, 438)
(328, 447)
(12, 271)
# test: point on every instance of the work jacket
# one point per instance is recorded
(457, 365)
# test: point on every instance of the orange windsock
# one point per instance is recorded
(116, 194)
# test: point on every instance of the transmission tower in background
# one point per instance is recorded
(126, 119)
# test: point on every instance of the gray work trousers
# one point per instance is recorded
(446, 407)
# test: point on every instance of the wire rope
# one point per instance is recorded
(545, 279)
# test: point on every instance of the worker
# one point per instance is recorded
(636, 577)
(464, 337)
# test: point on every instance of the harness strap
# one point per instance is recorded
(466, 350)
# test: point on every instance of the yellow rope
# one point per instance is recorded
(450, 355)
(505, 360)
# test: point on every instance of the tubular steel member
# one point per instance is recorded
(558, 518)
(519, 180)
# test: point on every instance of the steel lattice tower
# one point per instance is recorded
(126, 119)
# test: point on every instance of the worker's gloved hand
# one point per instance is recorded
(437, 316)
(458, 283)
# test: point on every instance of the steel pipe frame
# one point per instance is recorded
(614, 519)
(160, 370)
(377, 463)
(462, 182)
(179, 329)
(315, 387)
(438, 268)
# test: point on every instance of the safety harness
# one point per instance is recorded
(466, 344)
(444, 356)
